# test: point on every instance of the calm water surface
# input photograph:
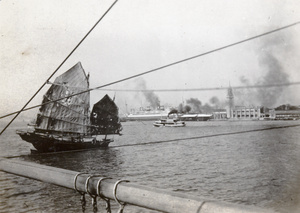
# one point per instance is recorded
(248, 167)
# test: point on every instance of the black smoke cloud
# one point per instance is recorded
(150, 96)
(275, 75)
(195, 103)
(271, 55)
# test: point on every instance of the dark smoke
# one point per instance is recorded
(215, 104)
(214, 100)
(271, 55)
(150, 96)
(245, 97)
(152, 99)
(275, 74)
(195, 103)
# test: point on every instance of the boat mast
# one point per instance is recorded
(18, 113)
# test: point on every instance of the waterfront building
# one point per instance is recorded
(252, 113)
(241, 112)
(287, 114)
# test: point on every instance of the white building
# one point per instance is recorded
(246, 113)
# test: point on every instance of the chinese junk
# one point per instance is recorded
(65, 123)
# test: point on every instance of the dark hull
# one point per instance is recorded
(195, 118)
(45, 143)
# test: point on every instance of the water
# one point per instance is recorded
(249, 167)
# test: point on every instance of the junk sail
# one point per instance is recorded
(105, 117)
(69, 115)
(66, 124)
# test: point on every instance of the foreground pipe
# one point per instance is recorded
(147, 197)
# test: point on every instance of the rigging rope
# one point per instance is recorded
(18, 112)
(202, 89)
(170, 140)
(162, 90)
(208, 136)
(153, 70)
(69, 108)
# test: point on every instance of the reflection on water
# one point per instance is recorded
(96, 160)
(249, 167)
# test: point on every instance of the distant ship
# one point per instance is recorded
(148, 114)
(196, 117)
(67, 124)
(162, 113)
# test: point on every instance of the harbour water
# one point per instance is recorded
(245, 162)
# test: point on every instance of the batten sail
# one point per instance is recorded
(105, 117)
(70, 115)
(64, 122)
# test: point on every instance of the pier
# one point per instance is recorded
(123, 191)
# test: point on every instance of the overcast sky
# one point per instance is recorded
(140, 35)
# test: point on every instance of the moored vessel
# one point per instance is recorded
(64, 122)
(169, 123)
(148, 114)
(196, 117)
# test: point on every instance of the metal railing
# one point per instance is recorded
(123, 192)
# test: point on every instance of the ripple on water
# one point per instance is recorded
(257, 167)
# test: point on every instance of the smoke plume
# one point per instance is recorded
(272, 54)
(275, 75)
(150, 96)
(195, 103)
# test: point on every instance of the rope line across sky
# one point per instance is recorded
(163, 67)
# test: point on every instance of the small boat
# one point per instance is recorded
(67, 124)
(169, 123)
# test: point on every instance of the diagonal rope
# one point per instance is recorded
(159, 68)
(168, 141)
(203, 89)
(18, 112)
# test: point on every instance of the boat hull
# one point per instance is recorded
(45, 143)
(169, 123)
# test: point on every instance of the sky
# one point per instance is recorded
(140, 35)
